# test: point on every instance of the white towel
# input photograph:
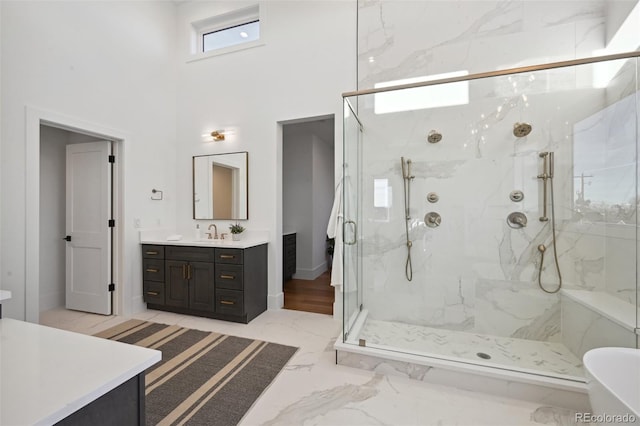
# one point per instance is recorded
(334, 230)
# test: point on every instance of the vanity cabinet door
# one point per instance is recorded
(201, 288)
(176, 283)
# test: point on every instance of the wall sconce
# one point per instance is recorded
(217, 135)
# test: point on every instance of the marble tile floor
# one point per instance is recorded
(546, 358)
(313, 390)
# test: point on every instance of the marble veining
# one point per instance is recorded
(521, 354)
(313, 390)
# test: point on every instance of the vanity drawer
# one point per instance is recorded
(229, 302)
(229, 256)
(152, 251)
(153, 292)
(152, 270)
(191, 254)
(229, 276)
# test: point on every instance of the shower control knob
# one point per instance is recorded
(516, 196)
(432, 219)
(432, 197)
(517, 220)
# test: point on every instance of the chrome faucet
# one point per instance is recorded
(214, 234)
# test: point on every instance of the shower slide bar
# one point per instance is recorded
(518, 70)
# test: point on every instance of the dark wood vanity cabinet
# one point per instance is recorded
(288, 256)
(223, 283)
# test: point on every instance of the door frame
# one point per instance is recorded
(34, 118)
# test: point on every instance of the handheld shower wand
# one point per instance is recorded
(547, 174)
(544, 176)
(406, 180)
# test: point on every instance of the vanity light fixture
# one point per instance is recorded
(217, 135)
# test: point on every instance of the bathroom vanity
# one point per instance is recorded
(222, 279)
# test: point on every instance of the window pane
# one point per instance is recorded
(231, 36)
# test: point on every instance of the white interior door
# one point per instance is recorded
(88, 211)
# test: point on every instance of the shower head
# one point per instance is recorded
(434, 136)
(521, 130)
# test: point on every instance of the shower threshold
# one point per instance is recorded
(534, 370)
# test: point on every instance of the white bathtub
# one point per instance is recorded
(613, 376)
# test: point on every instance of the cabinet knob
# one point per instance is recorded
(153, 293)
(227, 277)
(227, 302)
(227, 256)
(151, 252)
(151, 270)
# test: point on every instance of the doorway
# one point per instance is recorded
(75, 241)
(35, 118)
(307, 198)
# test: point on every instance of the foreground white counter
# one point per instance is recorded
(47, 374)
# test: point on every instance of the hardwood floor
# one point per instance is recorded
(310, 296)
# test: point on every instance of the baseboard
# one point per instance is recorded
(51, 301)
(310, 274)
(275, 301)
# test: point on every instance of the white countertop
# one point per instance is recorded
(46, 374)
(166, 238)
(5, 295)
(226, 243)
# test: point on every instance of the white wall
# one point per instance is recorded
(108, 63)
(52, 223)
(307, 62)
(297, 191)
(323, 193)
(307, 191)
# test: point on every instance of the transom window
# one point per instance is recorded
(231, 36)
(227, 32)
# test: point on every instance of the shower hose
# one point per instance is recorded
(408, 269)
(542, 248)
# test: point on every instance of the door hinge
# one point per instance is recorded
(112, 287)
(112, 158)
(112, 223)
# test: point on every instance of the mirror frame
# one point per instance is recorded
(193, 185)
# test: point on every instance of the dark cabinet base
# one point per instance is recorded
(244, 319)
(123, 405)
(228, 284)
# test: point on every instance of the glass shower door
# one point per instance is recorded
(351, 256)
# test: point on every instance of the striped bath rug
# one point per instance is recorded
(204, 378)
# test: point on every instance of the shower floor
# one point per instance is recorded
(537, 357)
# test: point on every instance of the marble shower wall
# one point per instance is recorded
(475, 273)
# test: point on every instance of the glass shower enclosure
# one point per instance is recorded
(491, 219)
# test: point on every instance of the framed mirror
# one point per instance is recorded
(221, 186)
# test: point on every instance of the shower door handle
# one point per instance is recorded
(355, 232)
